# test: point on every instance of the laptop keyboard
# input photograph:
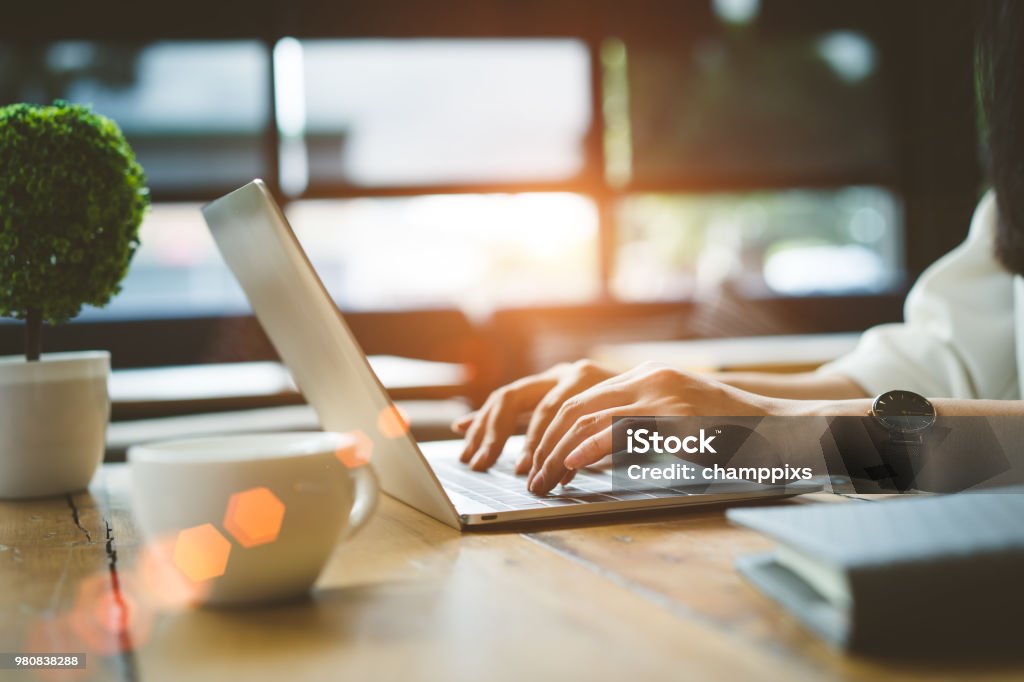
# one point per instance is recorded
(501, 489)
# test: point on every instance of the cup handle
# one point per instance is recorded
(367, 493)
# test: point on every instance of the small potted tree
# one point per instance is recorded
(72, 197)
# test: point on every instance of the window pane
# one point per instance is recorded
(796, 242)
(195, 112)
(766, 106)
(472, 251)
(176, 271)
(393, 112)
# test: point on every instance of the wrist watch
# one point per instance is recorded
(899, 419)
(905, 415)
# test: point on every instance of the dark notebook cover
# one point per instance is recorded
(931, 575)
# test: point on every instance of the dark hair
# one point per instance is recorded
(1000, 78)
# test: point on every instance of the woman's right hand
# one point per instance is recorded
(488, 428)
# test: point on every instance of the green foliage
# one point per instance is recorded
(72, 197)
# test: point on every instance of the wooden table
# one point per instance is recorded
(411, 599)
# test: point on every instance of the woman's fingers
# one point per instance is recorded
(474, 433)
(493, 423)
(587, 451)
(591, 450)
(585, 426)
(461, 424)
(542, 417)
(585, 407)
(501, 422)
(574, 379)
(539, 421)
(524, 463)
(615, 390)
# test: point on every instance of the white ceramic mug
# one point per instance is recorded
(251, 518)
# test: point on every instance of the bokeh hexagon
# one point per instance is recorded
(360, 454)
(160, 583)
(201, 552)
(392, 422)
(254, 516)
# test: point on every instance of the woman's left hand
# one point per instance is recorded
(581, 432)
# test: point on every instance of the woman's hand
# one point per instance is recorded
(488, 428)
(580, 433)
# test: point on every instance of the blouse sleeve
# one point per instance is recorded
(958, 337)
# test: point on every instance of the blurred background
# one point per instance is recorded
(508, 183)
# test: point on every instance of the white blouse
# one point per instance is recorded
(963, 334)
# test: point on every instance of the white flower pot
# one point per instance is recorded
(53, 422)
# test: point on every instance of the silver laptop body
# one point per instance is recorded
(312, 338)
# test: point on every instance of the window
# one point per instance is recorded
(791, 243)
(739, 106)
(177, 271)
(754, 152)
(380, 113)
(194, 112)
(749, 149)
(474, 251)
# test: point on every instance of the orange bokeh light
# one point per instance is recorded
(392, 422)
(106, 620)
(47, 635)
(201, 552)
(360, 454)
(159, 583)
(254, 516)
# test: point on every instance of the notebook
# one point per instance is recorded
(916, 575)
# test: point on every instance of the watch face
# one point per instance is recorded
(903, 411)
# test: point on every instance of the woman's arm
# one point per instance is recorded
(802, 386)
(541, 396)
(944, 407)
(581, 431)
(572, 407)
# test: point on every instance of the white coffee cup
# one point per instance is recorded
(254, 518)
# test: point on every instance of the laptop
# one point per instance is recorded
(312, 338)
